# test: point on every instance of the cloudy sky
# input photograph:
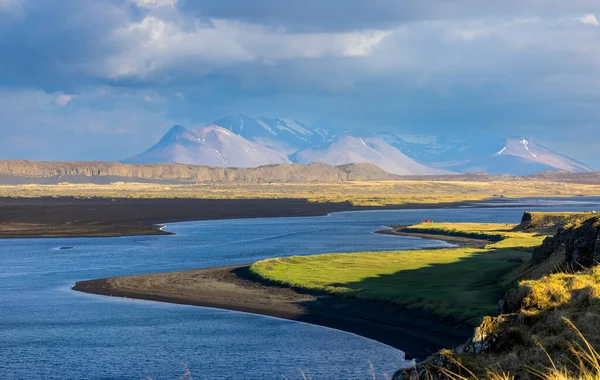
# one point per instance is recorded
(104, 79)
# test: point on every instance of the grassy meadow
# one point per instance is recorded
(366, 193)
(463, 283)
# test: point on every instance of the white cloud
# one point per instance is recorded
(64, 99)
(589, 19)
(154, 44)
(160, 48)
(155, 3)
(361, 44)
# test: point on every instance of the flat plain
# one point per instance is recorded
(358, 193)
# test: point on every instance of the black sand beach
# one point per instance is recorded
(417, 333)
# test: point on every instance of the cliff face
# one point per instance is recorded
(579, 243)
(583, 245)
(192, 173)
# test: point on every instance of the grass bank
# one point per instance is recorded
(461, 283)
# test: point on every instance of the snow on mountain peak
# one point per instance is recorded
(285, 135)
(215, 129)
(346, 149)
(176, 129)
(245, 141)
(212, 145)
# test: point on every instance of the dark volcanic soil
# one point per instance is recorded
(71, 217)
(103, 217)
(417, 333)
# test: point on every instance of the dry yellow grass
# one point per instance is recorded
(541, 340)
(375, 193)
(585, 364)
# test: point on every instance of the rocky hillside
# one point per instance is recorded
(55, 172)
(545, 319)
(579, 244)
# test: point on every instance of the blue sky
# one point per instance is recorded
(104, 79)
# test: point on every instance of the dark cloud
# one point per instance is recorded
(55, 44)
(336, 15)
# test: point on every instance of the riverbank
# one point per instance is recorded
(459, 241)
(462, 283)
(419, 301)
(108, 217)
(417, 333)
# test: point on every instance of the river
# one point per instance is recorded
(48, 331)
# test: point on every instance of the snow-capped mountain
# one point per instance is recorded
(284, 135)
(341, 150)
(530, 151)
(212, 145)
(484, 153)
(249, 142)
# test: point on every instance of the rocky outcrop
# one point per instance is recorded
(494, 334)
(191, 173)
(583, 246)
(549, 223)
(550, 246)
(580, 244)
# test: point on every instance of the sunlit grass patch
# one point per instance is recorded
(463, 283)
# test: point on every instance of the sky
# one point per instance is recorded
(104, 79)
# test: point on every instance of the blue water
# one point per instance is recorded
(48, 331)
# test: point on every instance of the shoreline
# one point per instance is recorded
(459, 241)
(417, 333)
(68, 217)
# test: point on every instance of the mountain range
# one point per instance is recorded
(245, 142)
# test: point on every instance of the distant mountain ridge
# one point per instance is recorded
(35, 172)
(94, 171)
(240, 141)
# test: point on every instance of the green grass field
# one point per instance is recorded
(462, 283)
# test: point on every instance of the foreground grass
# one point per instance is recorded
(553, 336)
(366, 193)
(462, 283)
